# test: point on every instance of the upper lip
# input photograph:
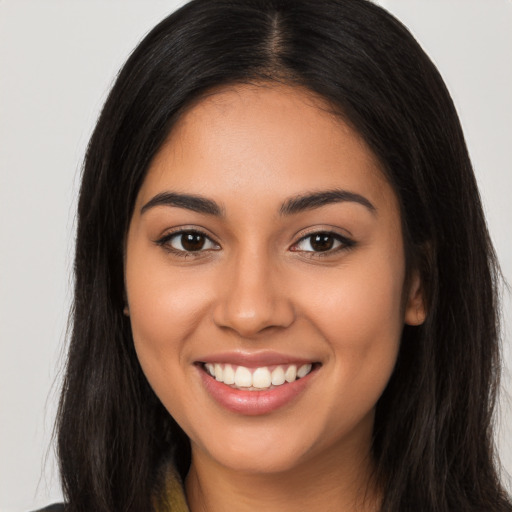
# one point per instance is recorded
(254, 359)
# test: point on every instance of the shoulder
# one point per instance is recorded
(56, 507)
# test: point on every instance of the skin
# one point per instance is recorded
(259, 286)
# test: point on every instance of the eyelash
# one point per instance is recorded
(166, 240)
(344, 243)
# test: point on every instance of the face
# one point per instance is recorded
(265, 280)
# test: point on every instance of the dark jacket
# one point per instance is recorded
(56, 507)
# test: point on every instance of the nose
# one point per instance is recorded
(253, 297)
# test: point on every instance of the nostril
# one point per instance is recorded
(250, 316)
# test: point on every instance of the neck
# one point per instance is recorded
(332, 482)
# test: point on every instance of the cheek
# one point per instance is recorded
(356, 305)
(357, 310)
(164, 312)
(165, 306)
(360, 320)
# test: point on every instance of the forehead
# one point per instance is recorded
(265, 141)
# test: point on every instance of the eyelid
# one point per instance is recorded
(345, 242)
(164, 240)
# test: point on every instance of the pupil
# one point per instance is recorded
(192, 241)
(322, 242)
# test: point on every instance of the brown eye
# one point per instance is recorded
(192, 241)
(323, 241)
(188, 241)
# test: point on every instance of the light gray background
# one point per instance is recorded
(57, 61)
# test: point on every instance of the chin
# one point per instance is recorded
(266, 449)
(259, 461)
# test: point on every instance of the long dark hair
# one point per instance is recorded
(433, 436)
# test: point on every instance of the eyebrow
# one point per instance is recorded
(292, 206)
(314, 200)
(190, 202)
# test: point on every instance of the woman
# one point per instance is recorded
(279, 239)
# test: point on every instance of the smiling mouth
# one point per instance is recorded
(257, 379)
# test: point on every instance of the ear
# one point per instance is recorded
(126, 310)
(415, 310)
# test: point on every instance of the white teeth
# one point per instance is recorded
(302, 371)
(278, 376)
(261, 378)
(243, 377)
(218, 372)
(229, 374)
(291, 373)
(256, 378)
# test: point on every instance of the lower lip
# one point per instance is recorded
(254, 403)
